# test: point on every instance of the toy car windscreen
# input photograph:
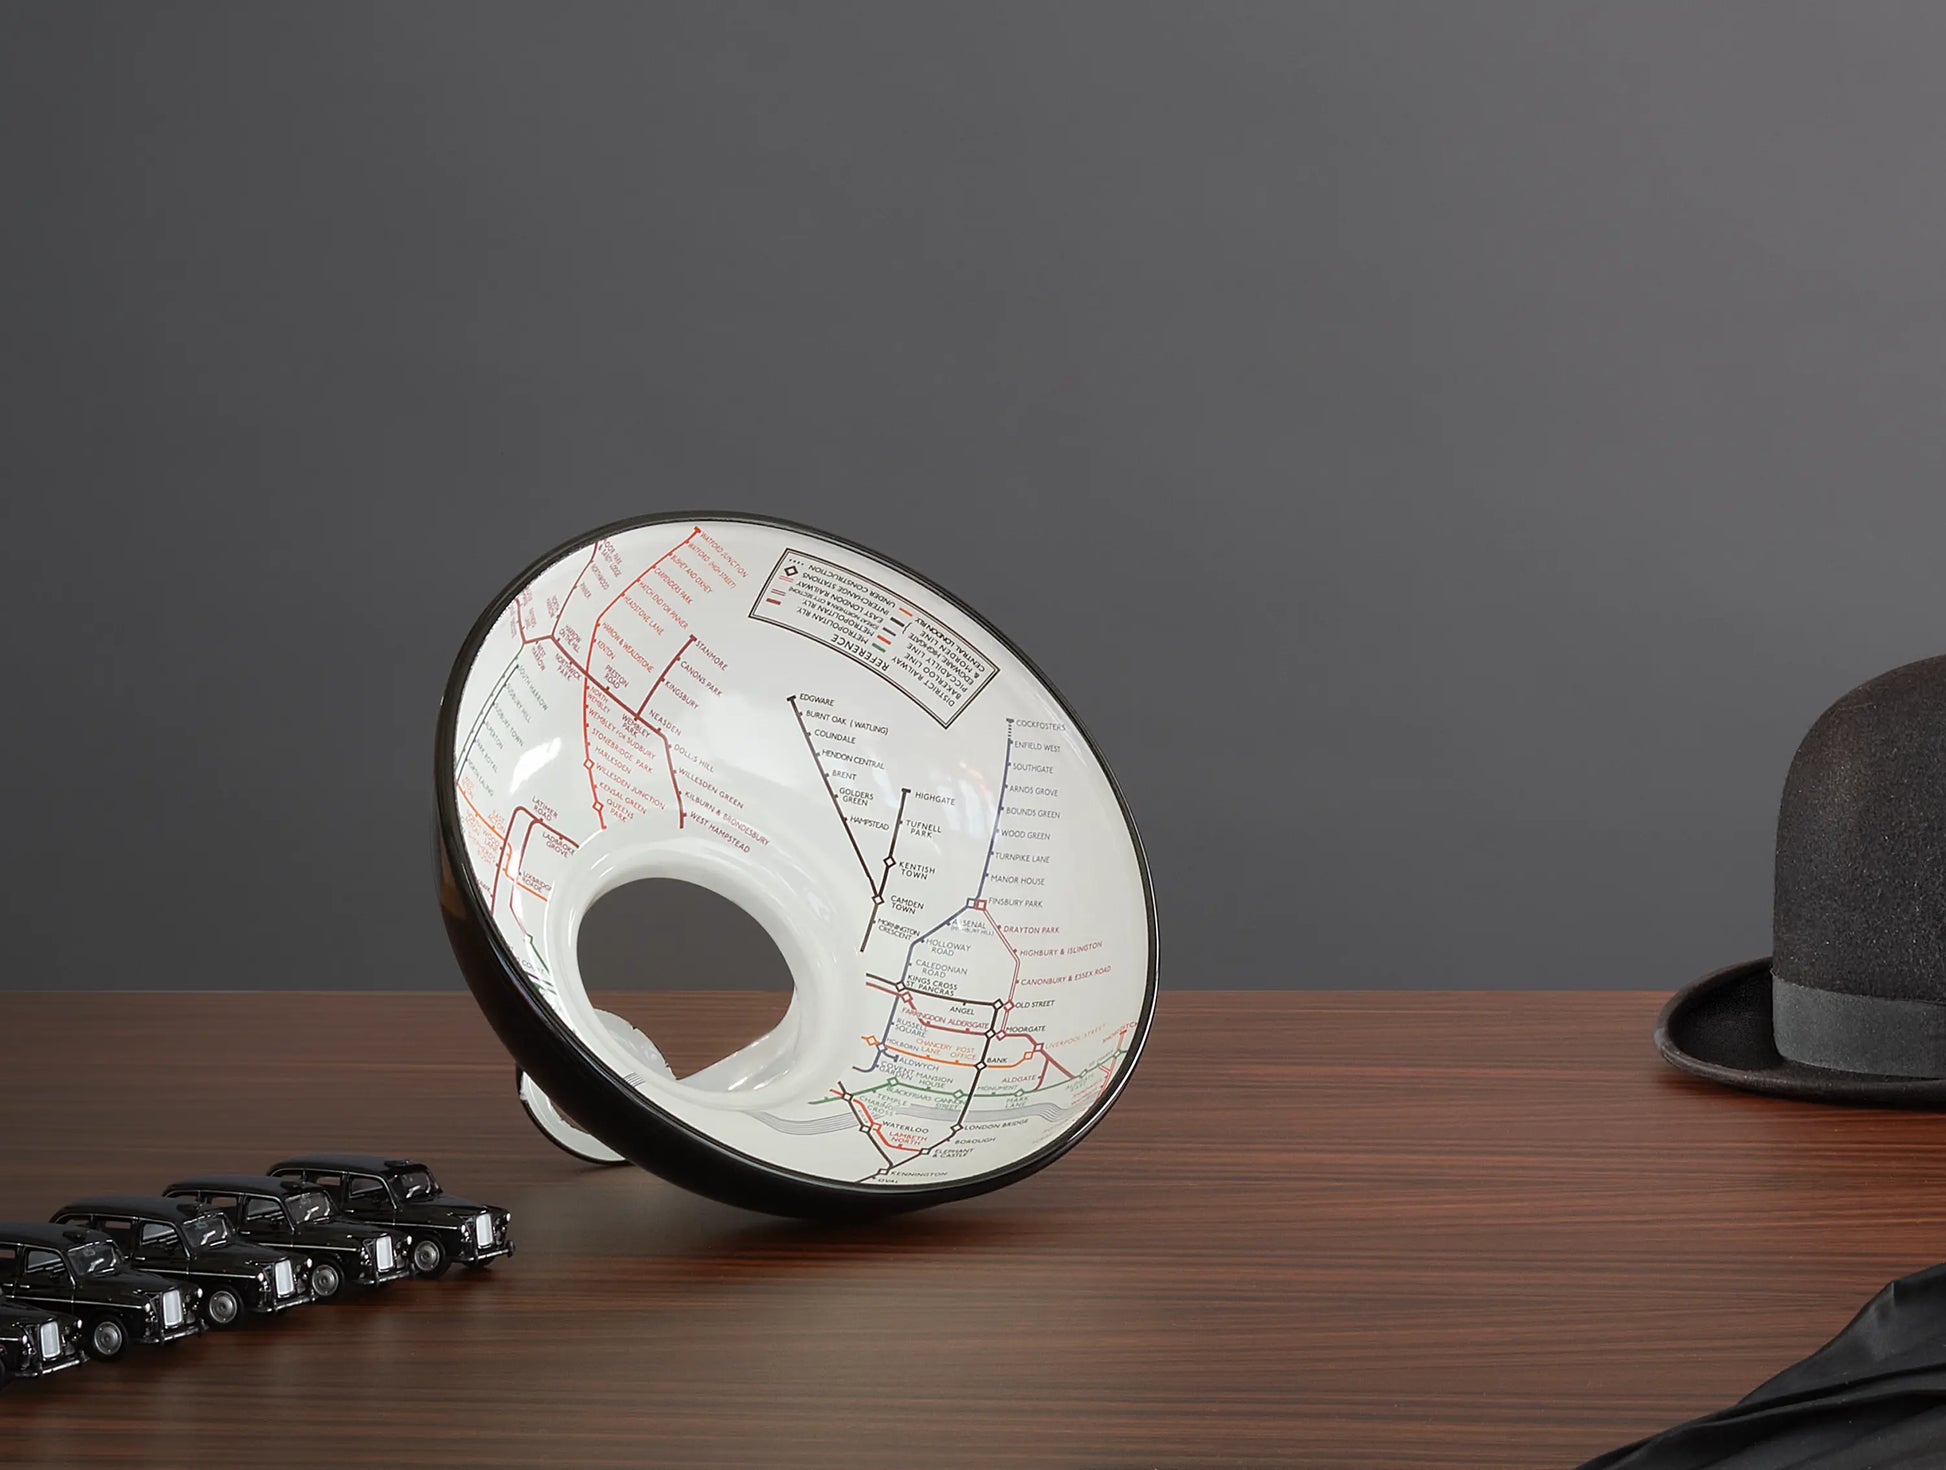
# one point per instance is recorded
(873, 773)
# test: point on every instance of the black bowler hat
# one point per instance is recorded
(1851, 1007)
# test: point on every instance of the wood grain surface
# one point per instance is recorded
(1385, 1230)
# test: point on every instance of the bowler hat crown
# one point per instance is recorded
(1859, 914)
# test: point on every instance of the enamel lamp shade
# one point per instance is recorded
(879, 778)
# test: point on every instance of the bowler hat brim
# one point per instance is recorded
(1719, 1029)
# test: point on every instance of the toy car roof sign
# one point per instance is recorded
(882, 780)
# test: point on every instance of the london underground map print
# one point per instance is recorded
(881, 781)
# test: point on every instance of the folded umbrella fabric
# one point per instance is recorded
(1873, 1398)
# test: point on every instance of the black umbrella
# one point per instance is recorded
(1873, 1398)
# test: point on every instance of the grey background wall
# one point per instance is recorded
(1448, 453)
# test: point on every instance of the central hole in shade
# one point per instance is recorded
(663, 954)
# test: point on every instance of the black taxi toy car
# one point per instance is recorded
(81, 1273)
(35, 1342)
(402, 1193)
(290, 1216)
(195, 1244)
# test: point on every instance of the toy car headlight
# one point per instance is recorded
(875, 774)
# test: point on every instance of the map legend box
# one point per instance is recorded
(933, 665)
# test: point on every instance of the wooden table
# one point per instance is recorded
(1387, 1230)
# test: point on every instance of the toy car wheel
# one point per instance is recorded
(429, 1257)
(107, 1338)
(326, 1281)
(4, 1375)
(222, 1308)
